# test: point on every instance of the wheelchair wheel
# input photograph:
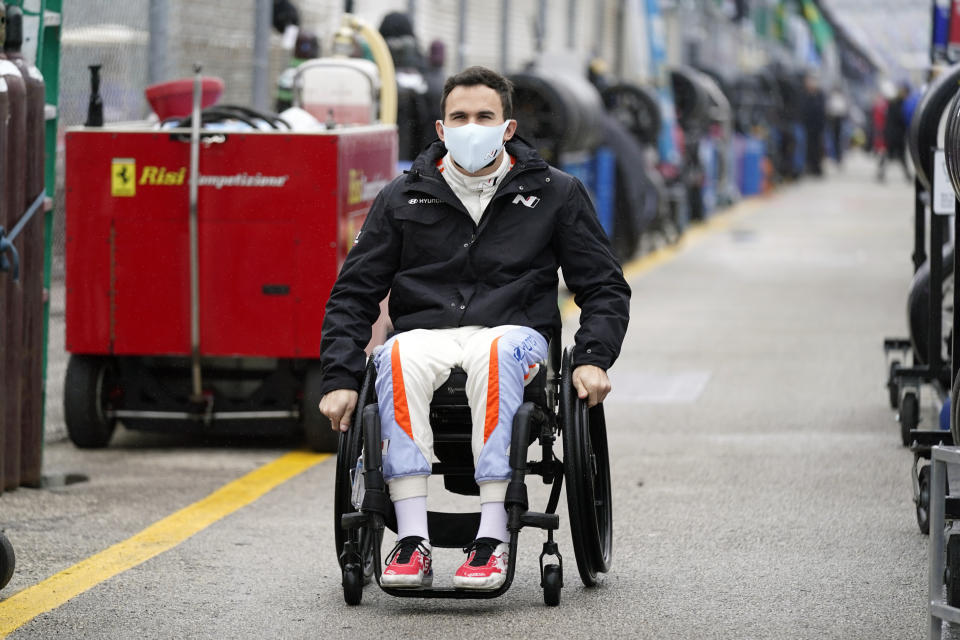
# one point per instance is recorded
(348, 453)
(587, 472)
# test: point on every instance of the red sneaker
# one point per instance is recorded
(409, 565)
(485, 567)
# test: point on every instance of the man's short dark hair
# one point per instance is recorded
(473, 76)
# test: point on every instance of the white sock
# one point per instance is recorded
(412, 517)
(493, 521)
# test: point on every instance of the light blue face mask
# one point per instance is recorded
(474, 146)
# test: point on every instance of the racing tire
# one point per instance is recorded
(923, 500)
(909, 416)
(951, 572)
(918, 309)
(893, 389)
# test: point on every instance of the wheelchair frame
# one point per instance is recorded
(359, 531)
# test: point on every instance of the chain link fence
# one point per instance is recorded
(115, 36)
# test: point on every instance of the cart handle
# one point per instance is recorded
(6, 246)
(6, 241)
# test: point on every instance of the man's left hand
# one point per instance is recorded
(592, 383)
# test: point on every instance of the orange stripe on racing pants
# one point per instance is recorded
(413, 364)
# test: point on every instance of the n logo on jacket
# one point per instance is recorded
(529, 201)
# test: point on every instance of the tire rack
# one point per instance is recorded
(944, 550)
(904, 382)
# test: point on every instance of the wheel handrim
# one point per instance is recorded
(588, 483)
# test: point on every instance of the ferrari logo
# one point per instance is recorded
(123, 178)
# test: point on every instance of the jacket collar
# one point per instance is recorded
(426, 163)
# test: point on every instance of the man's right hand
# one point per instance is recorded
(338, 405)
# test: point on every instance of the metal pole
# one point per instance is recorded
(194, 239)
(542, 23)
(412, 11)
(955, 346)
(919, 226)
(571, 23)
(935, 318)
(599, 24)
(261, 53)
(462, 35)
(504, 35)
(159, 30)
(621, 21)
(938, 494)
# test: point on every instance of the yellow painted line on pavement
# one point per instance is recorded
(161, 536)
(692, 235)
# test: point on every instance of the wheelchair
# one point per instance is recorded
(550, 409)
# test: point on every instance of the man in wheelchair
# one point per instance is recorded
(468, 243)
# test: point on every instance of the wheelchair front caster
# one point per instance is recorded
(552, 582)
(352, 584)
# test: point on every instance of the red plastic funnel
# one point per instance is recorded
(174, 99)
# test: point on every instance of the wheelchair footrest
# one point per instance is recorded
(548, 521)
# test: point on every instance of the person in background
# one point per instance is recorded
(413, 111)
(838, 111)
(895, 134)
(878, 118)
(306, 48)
(814, 120)
(434, 74)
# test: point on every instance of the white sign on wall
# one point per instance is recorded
(944, 199)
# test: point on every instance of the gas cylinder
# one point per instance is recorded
(4, 112)
(14, 191)
(31, 258)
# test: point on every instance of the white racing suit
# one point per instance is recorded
(498, 361)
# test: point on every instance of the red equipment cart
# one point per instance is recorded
(275, 215)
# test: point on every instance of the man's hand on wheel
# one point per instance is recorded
(592, 384)
(338, 405)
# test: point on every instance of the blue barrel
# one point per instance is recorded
(605, 187)
(752, 176)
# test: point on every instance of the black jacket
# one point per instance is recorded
(442, 270)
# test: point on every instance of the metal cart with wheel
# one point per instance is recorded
(198, 264)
